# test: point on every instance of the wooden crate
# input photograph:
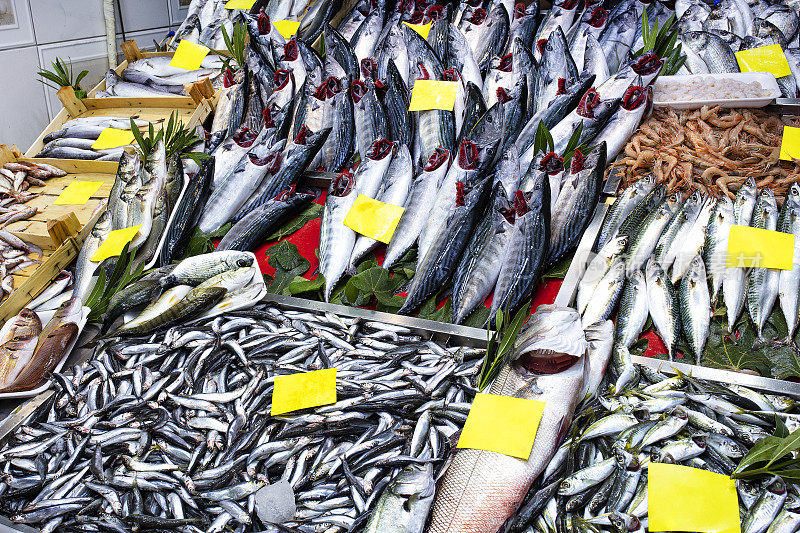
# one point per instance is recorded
(191, 110)
(58, 230)
(132, 52)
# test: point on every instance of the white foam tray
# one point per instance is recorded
(766, 80)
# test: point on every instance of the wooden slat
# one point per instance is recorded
(72, 103)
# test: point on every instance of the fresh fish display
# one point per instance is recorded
(153, 76)
(600, 481)
(217, 454)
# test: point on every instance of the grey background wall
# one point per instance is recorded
(34, 32)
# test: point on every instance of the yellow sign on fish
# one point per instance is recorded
(754, 247)
(189, 55)
(764, 59)
(374, 219)
(113, 138)
(790, 144)
(502, 424)
(287, 28)
(240, 4)
(433, 94)
(303, 390)
(422, 29)
(681, 498)
(78, 193)
(114, 243)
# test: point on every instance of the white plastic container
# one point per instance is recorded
(765, 79)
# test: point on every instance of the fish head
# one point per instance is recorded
(239, 260)
(25, 325)
(380, 149)
(342, 185)
(552, 342)
(440, 158)
(637, 96)
(69, 311)
(414, 480)
(776, 486)
(794, 194)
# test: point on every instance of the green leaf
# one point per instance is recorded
(97, 291)
(288, 264)
(310, 213)
(762, 452)
(203, 243)
(77, 83)
(573, 141)
(510, 335)
(559, 270)
(788, 444)
(780, 428)
(300, 285)
(478, 318)
(371, 280)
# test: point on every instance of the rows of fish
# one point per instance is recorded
(205, 19)
(666, 257)
(16, 178)
(292, 110)
(74, 139)
(172, 431)
(597, 480)
(153, 76)
(711, 34)
(145, 193)
(29, 351)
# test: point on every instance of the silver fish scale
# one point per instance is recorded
(176, 434)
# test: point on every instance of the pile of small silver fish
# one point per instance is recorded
(712, 33)
(597, 480)
(173, 432)
(153, 76)
(144, 193)
(75, 138)
(667, 257)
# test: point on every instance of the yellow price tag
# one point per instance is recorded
(754, 247)
(432, 94)
(287, 28)
(113, 138)
(502, 424)
(303, 390)
(377, 220)
(78, 193)
(240, 4)
(189, 55)
(681, 498)
(422, 29)
(764, 59)
(790, 145)
(114, 243)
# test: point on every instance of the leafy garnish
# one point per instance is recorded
(62, 75)
(123, 275)
(501, 339)
(235, 45)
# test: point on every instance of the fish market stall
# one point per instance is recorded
(514, 304)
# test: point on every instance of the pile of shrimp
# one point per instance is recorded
(711, 149)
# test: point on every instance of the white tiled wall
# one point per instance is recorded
(70, 29)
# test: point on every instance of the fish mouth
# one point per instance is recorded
(267, 116)
(506, 63)
(368, 67)
(433, 13)
(552, 163)
(357, 90)
(417, 17)
(588, 103)
(291, 50)
(562, 86)
(540, 44)
(302, 135)
(647, 64)
(422, 72)
(263, 24)
(777, 486)
(459, 193)
(545, 362)
(272, 159)
(577, 162)
(329, 88)
(286, 194)
(634, 97)
(227, 79)
(451, 75)
(503, 96)
(520, 205)
(519, 10)
(478, 16)
(342, 184)
(437, 159)
(281, 78)
(598, 17)
(468, 155)
(245, 137)
(380, 149)
(569, 4)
